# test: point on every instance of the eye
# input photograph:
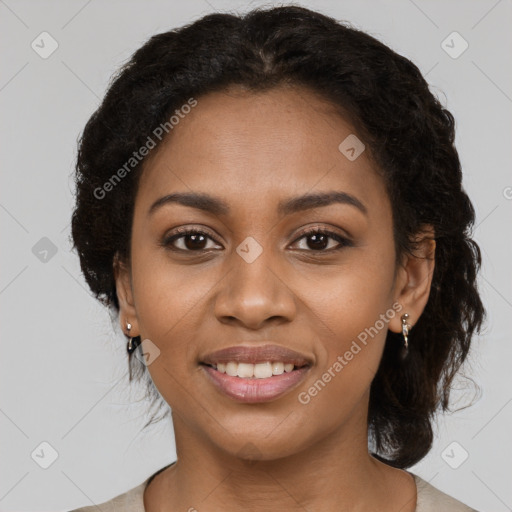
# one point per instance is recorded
(196, 240)
(193, 240)
(319, 240)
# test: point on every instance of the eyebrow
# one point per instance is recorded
(216, 206)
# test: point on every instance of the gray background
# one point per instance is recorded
(63, 365)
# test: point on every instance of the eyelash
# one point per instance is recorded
(182, 232)
(343, 241)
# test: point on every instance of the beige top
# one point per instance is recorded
(429, 499)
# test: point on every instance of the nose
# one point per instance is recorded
(255, 294)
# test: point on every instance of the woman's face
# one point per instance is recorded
(255, 278)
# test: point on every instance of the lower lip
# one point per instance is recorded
(255, 390)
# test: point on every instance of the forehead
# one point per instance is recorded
(253, 149)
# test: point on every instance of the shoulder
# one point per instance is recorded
(431, 499)
(130, 501)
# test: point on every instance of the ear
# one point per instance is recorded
(127, 311)
(414, 279)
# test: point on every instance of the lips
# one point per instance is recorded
(254, 390)
(257, 354)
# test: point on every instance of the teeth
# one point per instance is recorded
(278, 368)
(232, 369)
(262, 370)
(245, 370)
(258, 371)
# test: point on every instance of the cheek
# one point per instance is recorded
(348, 359)
(348, 299)
(349, 356)
(164, 292)
(170, 303)
(352, 310)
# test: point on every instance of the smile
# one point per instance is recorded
(253, 383)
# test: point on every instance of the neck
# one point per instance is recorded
(337, 473)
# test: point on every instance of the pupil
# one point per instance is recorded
(194, 239)
(316, 241)
(319, 237)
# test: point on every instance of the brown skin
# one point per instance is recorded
(253, 150)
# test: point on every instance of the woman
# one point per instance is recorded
(273, 206)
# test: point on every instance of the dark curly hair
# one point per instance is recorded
(409, 137)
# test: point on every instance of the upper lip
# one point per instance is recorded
(257, 354)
